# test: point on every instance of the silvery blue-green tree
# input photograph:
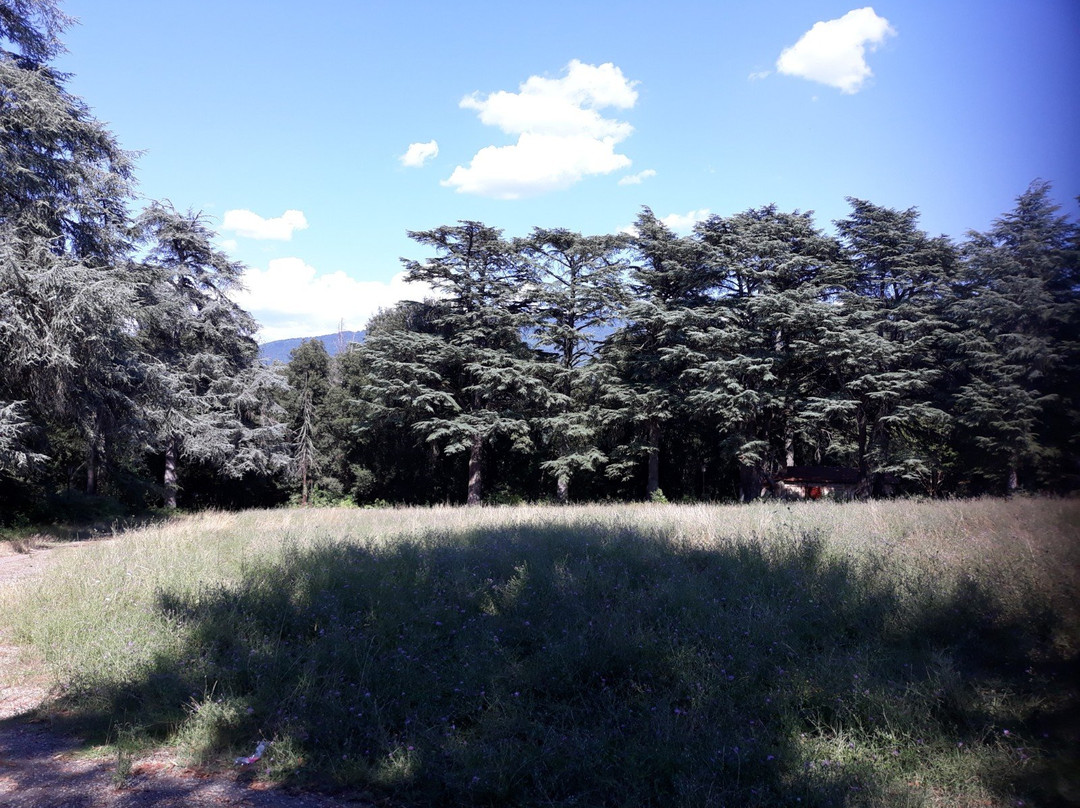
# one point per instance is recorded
(213, 402)
(768, 278)
(69, 365)
(641, 365)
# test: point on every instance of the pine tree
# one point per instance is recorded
(34, 26)
(68, 364)
(63, 177)
(769, 274)
(641, 364)
(395, 380)
(883, 345)
(306, 457)
(580, 291)
(1018, 310)
(212, 403)
(309, 406)
(471, 378)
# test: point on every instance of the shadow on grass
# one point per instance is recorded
(529, 666)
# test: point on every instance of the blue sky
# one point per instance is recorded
(288, 124)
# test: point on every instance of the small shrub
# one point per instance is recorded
(363, 483)
(215, 724)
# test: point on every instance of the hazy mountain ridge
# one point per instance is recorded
(278, 350)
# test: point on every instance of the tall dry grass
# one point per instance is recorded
(908, 653)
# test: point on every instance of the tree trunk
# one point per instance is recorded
(562, 488)
(91, 470)
(862, 486)
(169, 482)
(653, 483)
(1013, 483)
(476, 459)
(750, 483)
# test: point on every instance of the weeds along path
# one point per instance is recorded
(42, 768)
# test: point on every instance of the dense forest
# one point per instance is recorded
(555, 366)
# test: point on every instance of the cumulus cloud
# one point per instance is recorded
(419, 153)
(684, 222)
(637, 179)
(679, 222)
(291, 299)
(251, 225)
(561, 135)
(536, 164)
(833, 52)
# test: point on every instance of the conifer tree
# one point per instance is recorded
(769, 274)
(642, 362)
(580, 290)
(395, 381)
(472, 378)
(212, 402)
(882, 347)
(310, 405)
(34, 26)
(1018, 310)
(67, 361)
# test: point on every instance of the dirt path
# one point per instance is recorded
(40, 768)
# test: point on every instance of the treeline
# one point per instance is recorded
(564, 366)
(557, 366)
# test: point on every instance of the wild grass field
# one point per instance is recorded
(819, 654)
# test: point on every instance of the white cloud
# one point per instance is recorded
(536, 164)
(684, 222)
(419, 153)
(679, 222)
(562, 137)
(291, 299)
(759, 75)
(637, 179)
(252, 225)
(833, 52)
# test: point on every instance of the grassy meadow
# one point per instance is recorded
(886, 653)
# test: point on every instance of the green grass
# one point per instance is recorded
(895, 653)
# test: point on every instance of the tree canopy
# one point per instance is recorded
(556, 365)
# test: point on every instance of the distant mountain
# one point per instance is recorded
(278, 350)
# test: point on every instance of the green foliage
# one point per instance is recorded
(580, 291)
(115, 335)
(467, 378)
(770, 276)
(605, 365)
(718, 359)
(1019, 316)
(212, 383)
